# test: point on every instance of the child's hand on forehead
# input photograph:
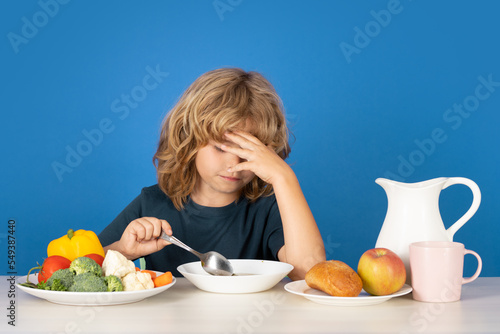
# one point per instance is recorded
(258, 158)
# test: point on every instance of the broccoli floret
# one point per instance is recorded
(58, 286)
(88, 282)
(60, 280)
(113, 283)
(84, 264)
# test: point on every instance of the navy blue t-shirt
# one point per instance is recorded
(240, 230)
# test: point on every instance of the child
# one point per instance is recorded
(223, 183)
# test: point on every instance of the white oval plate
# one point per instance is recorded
(251, 276)
(90, 298)
(302, 289)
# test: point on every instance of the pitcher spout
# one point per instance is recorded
(383, 182)
(386, 184)
(437, 182)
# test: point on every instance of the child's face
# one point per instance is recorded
(215, 185)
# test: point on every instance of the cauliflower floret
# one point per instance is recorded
(137, 281)
(116, 264)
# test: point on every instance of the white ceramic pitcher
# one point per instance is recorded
(413, 214)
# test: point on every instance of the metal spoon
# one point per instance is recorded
(213, 262)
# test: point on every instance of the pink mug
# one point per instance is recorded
(437, 270)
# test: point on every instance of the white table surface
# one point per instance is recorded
(185, 309)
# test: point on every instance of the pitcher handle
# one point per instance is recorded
(476, 200)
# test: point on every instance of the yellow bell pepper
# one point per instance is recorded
(75, 244)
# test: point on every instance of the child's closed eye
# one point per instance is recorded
(218, 149)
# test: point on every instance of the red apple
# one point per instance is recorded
(382, 271)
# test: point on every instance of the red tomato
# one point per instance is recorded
(96, 257)
(52, 264)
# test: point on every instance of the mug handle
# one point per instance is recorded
(478, 270)
(476, 200)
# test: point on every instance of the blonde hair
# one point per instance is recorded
(218, 101)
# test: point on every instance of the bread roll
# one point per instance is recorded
(335, 278)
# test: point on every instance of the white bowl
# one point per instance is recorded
(250, 276)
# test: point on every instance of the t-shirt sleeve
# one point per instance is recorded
(114, 230)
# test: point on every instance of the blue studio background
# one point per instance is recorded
(86, 84)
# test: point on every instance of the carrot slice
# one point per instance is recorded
(150, 272)
(163, 279)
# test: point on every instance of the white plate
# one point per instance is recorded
(302, 289)
(91, 298)
(251, 276)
